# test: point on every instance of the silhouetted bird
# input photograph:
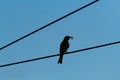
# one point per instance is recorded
(63, 48)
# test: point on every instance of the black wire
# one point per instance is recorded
(48, 24)
(45, 57)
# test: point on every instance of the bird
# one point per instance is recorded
(63, 48)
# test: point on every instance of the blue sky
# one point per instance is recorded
(95, 25)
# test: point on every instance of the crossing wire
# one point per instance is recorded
(5, 46)
(45, 57)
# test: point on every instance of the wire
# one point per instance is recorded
(45, 57)
(48, 24)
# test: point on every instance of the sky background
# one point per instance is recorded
(94, 25)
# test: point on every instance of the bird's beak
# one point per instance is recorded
(71, 37)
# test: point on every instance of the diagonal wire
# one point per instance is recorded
(45, 57)
(48, 24)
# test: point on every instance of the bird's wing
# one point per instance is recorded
(63, 47)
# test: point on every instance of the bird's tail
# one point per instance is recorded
(60, 59)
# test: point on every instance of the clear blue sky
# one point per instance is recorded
(95, 25)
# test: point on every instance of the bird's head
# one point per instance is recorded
(68, 37)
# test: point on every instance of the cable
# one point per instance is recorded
(45, 57)
(48, 24)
